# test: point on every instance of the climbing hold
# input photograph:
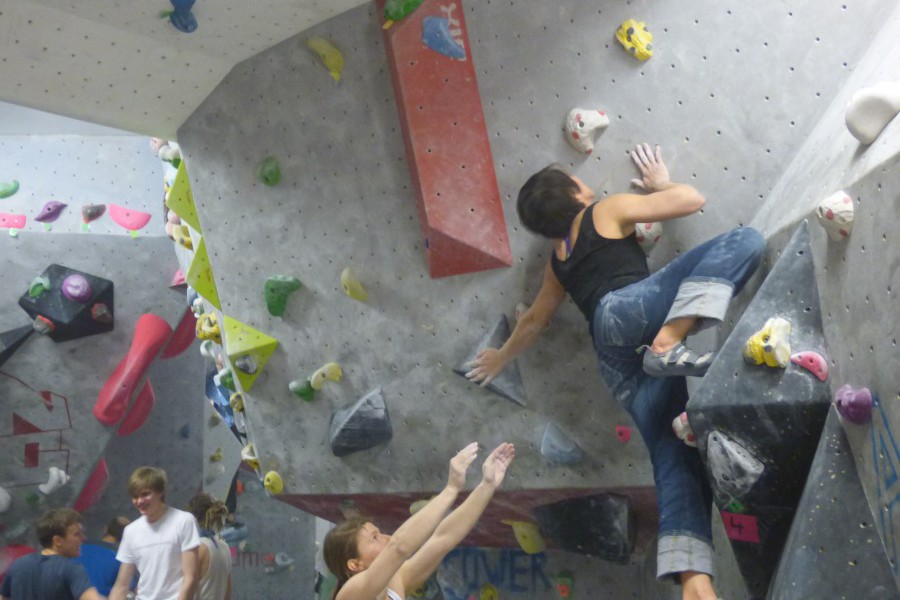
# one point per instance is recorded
(50, 212)
(361, 426)
(329, 54)
(217, 456)
(132, 220)
(208, 349)
(177, 280)
(276, 291)
(248, 455)
(394, 10)
(528, 535)
(771, 345)
(623, 433)
(437, 35)
(871, 109)
(185, 431)
(140, 410)
(682, 428)
(736, 506)
(181, 234)
(8, 189)
(43, 325)
(557, 447)
(182, 17)
(352, 286)
(5, 500)
(813, 362)
(509, 382)
(418, 505)
(635, 38)
(329, 371)
(234, 533)
(214, 419)
(77, 288)
(647, 235)
(302, 388)
(197, 306)
(732, 468)
(92, 212)
(268, 171)
(488, 592)
(835, 215)
(208, 327)
(602, 525)
(11, 222)
(854, 405)
(582, 125)
(225, 378)
(101, 313)
(236, 401)
(246, 364)
(57, 479)
(565, 583)
(38, 286)
(273, 483)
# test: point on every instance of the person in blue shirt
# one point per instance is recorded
(99, 556)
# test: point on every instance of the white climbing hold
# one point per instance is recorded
(57, 479)
(871, 109)
(648, 234)
(581, 126)
(835, 215)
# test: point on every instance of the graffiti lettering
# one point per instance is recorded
(465, 570)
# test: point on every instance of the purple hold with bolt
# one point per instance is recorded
(854, 405)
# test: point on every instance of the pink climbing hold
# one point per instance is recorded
(623, 433)
(177, 279)
(11, 221)
(150, 335)
(132, 220)
(50, 212)
(140, 410)
(854, 405)
(94, 487)
(813, 362)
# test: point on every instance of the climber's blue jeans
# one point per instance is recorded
(698, 283)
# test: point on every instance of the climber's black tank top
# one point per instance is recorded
(598, 265)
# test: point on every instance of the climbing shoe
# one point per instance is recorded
(678, 360)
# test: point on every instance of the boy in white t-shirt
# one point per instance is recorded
(161, 545)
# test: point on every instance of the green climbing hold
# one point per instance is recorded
(303, 389)
(226, 378)
(736, 506)
(268, 171)
(397, 9)
(8, 189)
(38, 286)
(276, 292)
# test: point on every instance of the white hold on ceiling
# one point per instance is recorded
(122, 65)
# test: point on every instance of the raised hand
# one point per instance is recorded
(654, 174)
(486, 366)
(495, 465)
(459, 464)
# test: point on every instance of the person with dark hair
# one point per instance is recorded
(49, 574)
(161, 545)
(369, 564)
(597, 260)
(99, 556)
(214, 553)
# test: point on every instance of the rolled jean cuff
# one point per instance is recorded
(679, 553)
(705, 299)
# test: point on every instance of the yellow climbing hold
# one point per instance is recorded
(182, 236)
(352, 286)
(248, 455)
(636, 39)
(418, 505)
(180, 199)
(200, 275)
(488, 592)
(329, 54)
(329, 371)
(217, 456)
(273, 482)
(243, 341)
(528, 535)
(207, 328)
(237, 402)
(771, 345)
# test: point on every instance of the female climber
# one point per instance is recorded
(371, 565)
(597, 260)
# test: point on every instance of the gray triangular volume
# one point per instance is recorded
(557, 447)
(509, 383)
(834, 528)
(364, 425)
(776, 414)
(11, 340)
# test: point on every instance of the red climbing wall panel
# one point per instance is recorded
(447, 144)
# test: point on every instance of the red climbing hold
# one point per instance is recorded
(94, 487)
(623, 433)
(150, 335)
(140, 410)
(183, 335)
(814, 362)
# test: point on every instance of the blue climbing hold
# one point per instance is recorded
(182, 17)
(436, 35)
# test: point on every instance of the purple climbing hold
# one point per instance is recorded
(77, 288)
(854, 405)
(50, 212)
(812, 362)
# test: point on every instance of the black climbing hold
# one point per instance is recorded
(776, 415)
(71, 319)
(733, 469)
(509, 382)
(557, 447)
(834, 550)
(601, 525)
(362, 426)
(11, 340)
